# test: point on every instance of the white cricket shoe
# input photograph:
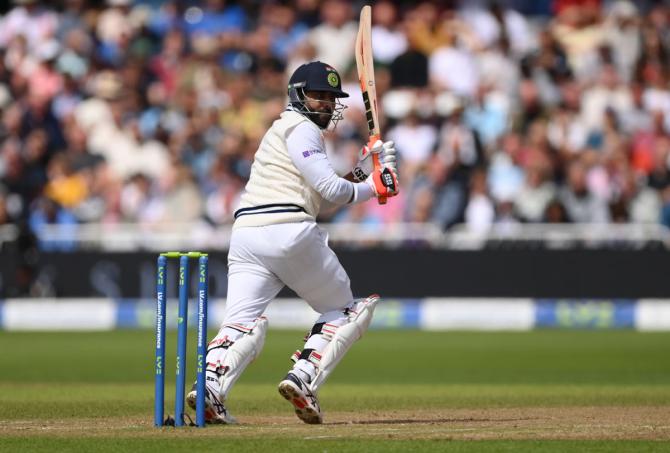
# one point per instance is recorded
(297, 392)
(215, 411)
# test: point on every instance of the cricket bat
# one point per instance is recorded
(366, 77)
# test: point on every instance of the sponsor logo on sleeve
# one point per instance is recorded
(311, 152)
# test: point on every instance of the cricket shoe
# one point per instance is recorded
(215, 411)
(297, 392)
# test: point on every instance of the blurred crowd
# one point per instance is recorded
(150, 112)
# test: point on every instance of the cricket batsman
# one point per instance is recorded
(276, 242)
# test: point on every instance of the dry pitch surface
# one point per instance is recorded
(576, 423)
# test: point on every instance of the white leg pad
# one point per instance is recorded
(240, 354)
(345, 336)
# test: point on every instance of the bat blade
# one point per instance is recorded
(366, 78)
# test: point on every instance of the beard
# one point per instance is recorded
(321, 119)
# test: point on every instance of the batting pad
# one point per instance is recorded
(241, 353)
(359, 319)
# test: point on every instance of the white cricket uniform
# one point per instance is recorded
(275, 239)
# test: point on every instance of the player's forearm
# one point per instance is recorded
(341, 191)
(363, 193)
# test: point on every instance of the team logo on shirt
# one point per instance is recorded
(333, 79)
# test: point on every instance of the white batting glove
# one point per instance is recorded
(365, 165)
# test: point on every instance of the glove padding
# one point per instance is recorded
(365, 165)
(384, 182)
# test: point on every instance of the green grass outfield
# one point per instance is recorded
(396, 391)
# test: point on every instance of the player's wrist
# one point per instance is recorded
(359, 174)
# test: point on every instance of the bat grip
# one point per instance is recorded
(377, 164)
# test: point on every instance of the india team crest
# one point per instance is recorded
(333, 79)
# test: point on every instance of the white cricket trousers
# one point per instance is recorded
(263, 259)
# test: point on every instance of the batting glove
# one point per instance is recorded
(365, 165)
(384, 182)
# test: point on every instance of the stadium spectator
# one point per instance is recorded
(338, 27)
(123, 110)
(388, 40)
(581, 205)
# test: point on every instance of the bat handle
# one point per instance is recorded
(376, 163)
